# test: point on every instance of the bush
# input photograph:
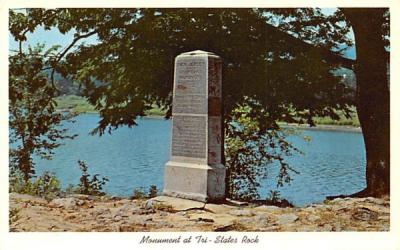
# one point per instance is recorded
(87, 185)
(274, 199)
(140, 193)
(153, 191)
(13, 215)
(47, 185)
(251, 148)
(16, 181)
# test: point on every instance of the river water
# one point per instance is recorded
(333, 162)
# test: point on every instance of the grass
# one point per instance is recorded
(155, 111)
(343, 121)
(79, 104)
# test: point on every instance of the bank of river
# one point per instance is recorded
(323, 127)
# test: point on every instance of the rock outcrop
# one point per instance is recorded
(79, 213)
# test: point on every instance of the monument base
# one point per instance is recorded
(193, 181)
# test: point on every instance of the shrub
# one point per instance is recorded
(87, 185)
(140, 193)
(47, 185)
(13, 215)
(16, 181)
(274, 199)
(251, 148)
(153, 191)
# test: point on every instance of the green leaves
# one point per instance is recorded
(252, 147)
(47, 185)
(33, 120)
(87, 185)
(264, 52)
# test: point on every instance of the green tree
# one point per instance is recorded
(35, 126)
(131, 68)
(371, 31)
(283, 59)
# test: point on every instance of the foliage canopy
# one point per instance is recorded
(283, 60)
(130, 68)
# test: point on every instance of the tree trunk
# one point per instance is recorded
(373, 98)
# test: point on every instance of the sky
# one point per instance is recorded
(54, 37)
(49, 38)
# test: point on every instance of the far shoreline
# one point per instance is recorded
(324, 127)
(320, 127)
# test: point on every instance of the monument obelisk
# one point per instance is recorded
(195, 170)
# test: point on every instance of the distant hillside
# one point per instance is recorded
(348, 75)
(65, 86)
(69, 87)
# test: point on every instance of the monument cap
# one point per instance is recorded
(197, 52)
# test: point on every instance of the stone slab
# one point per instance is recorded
(179, 204)
(287, 218)
(218, 219)
(219, 208)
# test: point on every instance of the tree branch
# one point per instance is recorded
(328, 55)
(76, 39)
(64, 52)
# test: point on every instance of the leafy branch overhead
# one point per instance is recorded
(131, 66)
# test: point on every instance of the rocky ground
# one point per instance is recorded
(79, 213)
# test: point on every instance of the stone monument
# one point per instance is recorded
(195, 170)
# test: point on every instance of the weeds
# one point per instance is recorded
(87, 185)
(46, 186)
(140, 193)
(14, 215)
